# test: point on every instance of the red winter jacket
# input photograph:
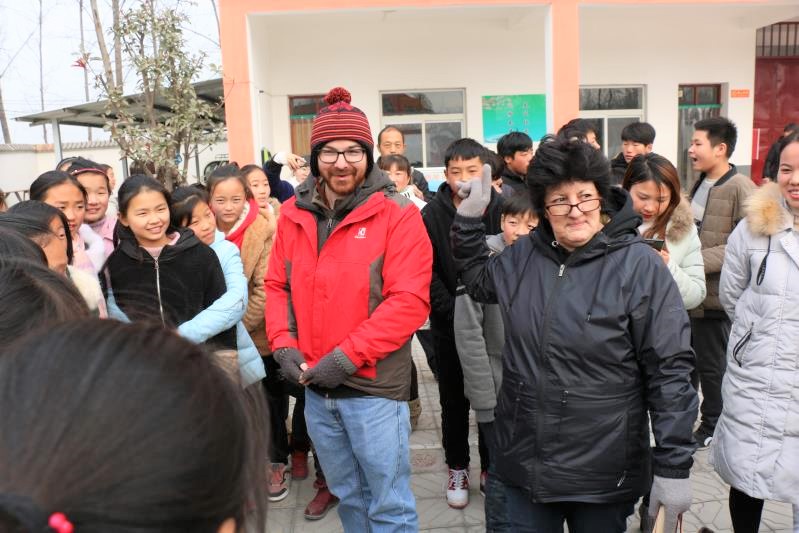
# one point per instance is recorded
(366, 291)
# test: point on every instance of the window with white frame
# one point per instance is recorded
(429, 119)
(609, 109)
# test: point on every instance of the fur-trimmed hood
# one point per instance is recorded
(766, 211)
(681, 221)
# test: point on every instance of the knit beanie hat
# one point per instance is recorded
(340, 120)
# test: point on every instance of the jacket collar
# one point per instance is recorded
(308, 194)
(721, 181)
(130, 247)
(767, 213)
(681, 221)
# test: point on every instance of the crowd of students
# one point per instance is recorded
(153, 338)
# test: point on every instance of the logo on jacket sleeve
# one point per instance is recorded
(361, 233)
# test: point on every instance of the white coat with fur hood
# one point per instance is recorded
(685, 255)
(756, 443)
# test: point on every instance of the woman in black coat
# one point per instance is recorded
(596, 338)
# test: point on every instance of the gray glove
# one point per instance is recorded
(290, 360)
(331, 371)
(674, 495)
(476, 195)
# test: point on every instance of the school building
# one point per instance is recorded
(443, 69)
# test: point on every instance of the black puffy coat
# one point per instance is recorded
(594, 340)
(185, 279)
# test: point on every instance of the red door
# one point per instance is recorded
(776, 104)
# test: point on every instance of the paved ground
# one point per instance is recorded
(429, 479)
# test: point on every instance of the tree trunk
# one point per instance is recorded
(98, 29)
(117, 44)
(41, 71)
(85, 70)
(3, 119)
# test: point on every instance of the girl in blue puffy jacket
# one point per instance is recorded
(189, 209)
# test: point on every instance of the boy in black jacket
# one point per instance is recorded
(463, 161)
(516, 150)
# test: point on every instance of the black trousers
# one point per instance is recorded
(278, 402)
(454, 405)
(414, 382)
(745, 512)
(709, 338)
(528, 517)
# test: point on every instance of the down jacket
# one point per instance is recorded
(756, 443)
(723, 211)
(227, 312)
(685, 255)
(185, 279)
(365, 291)
(594, 339)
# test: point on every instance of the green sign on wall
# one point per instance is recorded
(515, 112)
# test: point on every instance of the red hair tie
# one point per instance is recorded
(59, 522)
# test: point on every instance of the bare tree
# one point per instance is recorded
(108, 70)
(41, 71)
(117, 44)
(85, 71)
(3, 118)
(167, 121)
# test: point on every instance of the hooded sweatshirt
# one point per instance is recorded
(173, 288)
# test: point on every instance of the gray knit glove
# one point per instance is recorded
(674, 495)
(476, 195)
(331, 371)
(290, 360)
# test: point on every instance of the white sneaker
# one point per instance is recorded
(458, 488)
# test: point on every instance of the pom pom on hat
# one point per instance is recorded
(338, 94)
(340, 120)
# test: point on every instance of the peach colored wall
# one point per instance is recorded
(239, 89)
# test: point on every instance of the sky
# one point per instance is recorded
(63, 83)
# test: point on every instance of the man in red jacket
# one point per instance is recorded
(348, 284)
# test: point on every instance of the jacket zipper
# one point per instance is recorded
(540, 392)
(740, 345)
(158, 290)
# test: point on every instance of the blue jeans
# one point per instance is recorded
(529, 517)
(362, 444)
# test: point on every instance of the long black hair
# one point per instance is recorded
(50, 179)
(15, 245)
(184, 200)
(125, 428)
(40, 298)
(45, 213)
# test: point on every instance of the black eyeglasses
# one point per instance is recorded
(561, 210)
(351, 155)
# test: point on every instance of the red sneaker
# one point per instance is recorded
(278, 487)
(321, 503)
(299, 465)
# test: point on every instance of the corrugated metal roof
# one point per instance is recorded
(36, 148)
(94, 113)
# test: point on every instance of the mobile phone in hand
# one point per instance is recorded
(657, 244)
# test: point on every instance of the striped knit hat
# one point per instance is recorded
(340, 120)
